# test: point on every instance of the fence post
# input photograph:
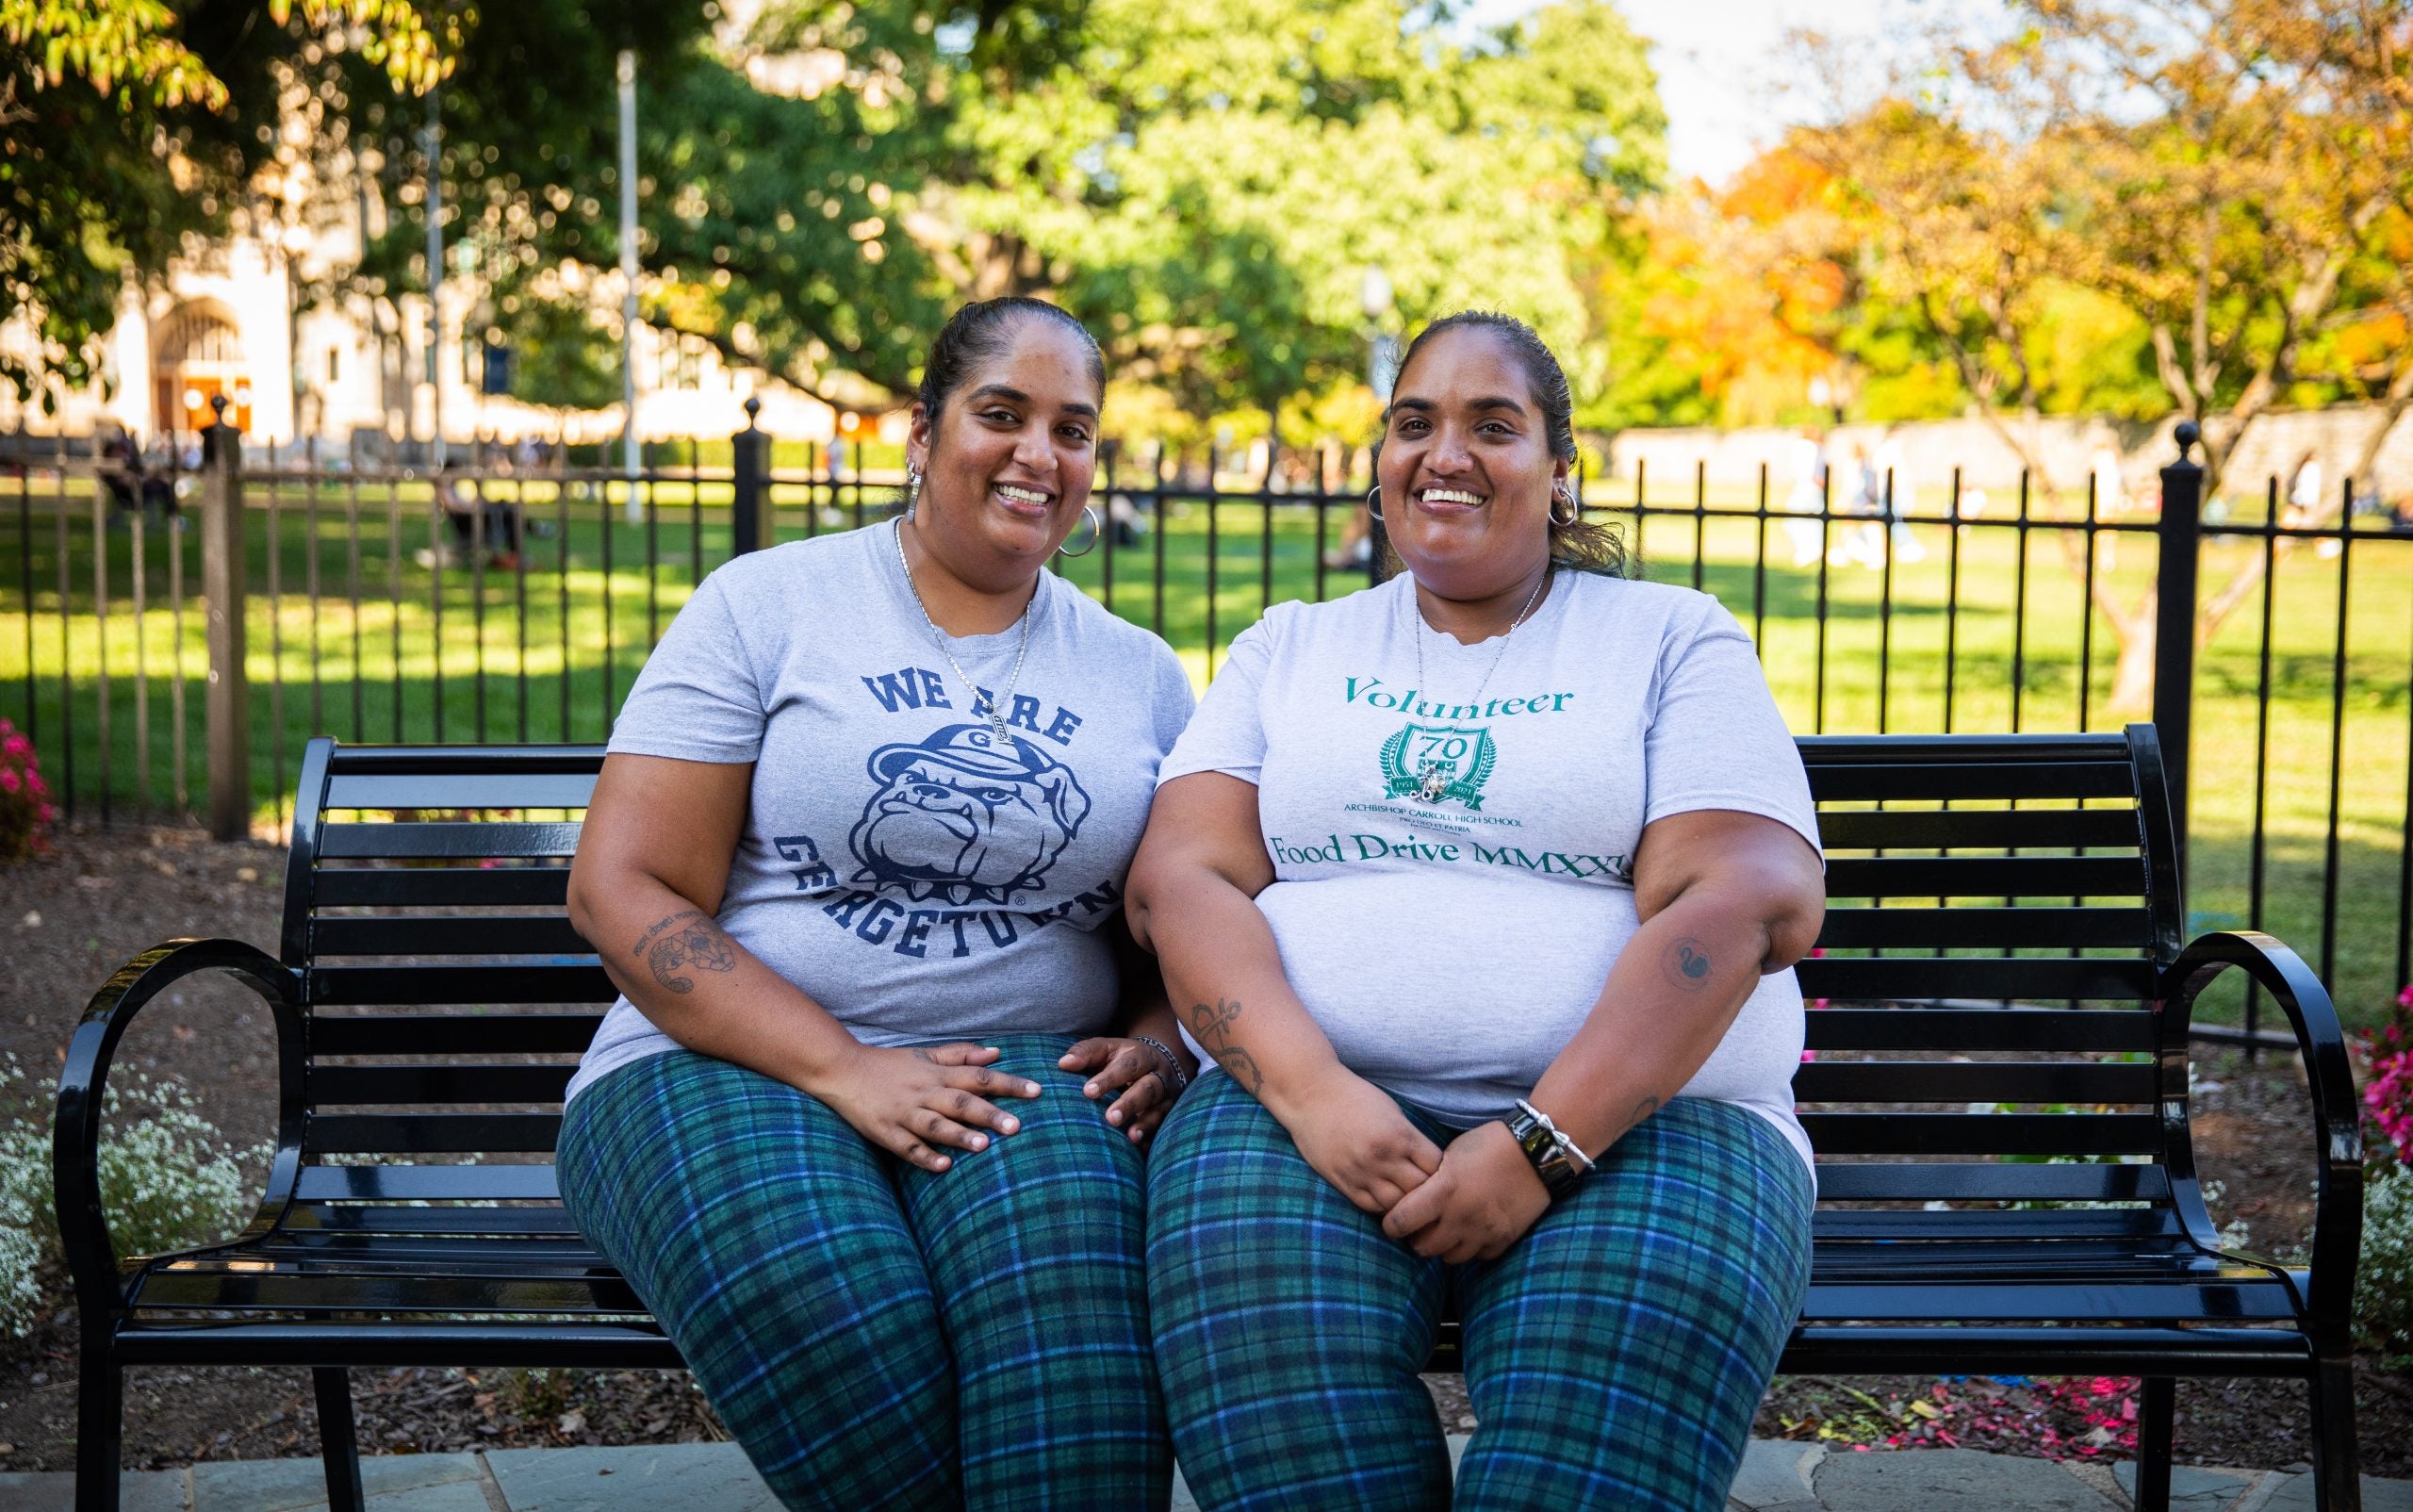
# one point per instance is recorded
(224, 587)
(750, 453)
(2173, 645)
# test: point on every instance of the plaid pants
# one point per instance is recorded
(1615, 1355)
(875, 1334)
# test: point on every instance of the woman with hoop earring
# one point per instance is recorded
(864, 1130)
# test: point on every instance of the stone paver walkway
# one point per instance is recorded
(1777, 1477)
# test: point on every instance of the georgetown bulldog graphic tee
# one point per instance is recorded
(1453, 853)
(919, 879)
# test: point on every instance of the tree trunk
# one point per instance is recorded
(2132, 678)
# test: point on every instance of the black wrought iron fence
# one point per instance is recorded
(499, 603)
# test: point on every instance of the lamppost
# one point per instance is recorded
(435, 141)
(1381, 373)
(629, 461)
(296, 243)
(1381, 347)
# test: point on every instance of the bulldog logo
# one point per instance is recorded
(962, 818)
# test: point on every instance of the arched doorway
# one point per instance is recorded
(197, 356)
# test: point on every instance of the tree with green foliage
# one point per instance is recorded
(128, 125)
(1206, 190)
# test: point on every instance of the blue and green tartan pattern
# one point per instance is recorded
(1615, 1355)
(872, 1334)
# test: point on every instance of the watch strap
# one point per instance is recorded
(1546, 1149)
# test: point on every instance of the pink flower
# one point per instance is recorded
(2403, 999)
(9, 780)
(45, 813)
(16, 744)
(34, 781)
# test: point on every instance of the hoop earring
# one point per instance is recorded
(1097, 534)
(913, 490)
(1574, 507)
(1373, 500)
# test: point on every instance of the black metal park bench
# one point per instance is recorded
(2035, 1210)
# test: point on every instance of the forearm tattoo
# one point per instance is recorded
(1212, 1025)
(1643, 1109)
(689, 940)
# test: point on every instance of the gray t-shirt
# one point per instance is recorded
(915, 878)
(1453, 869)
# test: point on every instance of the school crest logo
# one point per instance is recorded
(1437, 763)
(965, 817)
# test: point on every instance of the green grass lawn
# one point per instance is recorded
(376, 646)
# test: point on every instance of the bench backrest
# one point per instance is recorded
(422, 879)
(1965, 873)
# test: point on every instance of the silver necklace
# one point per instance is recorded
(996, 705)
(1433, 777)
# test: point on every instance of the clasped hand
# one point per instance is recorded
(1470, 1202)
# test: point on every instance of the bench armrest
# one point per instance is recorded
(2337, 1114)
(76, 1133)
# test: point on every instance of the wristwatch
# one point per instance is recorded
(1555, 1157)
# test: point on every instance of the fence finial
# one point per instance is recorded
(2187, 434)
(218, 407)
(754, 408)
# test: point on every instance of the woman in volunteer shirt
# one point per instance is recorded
(860, 1132)
(1481, 887)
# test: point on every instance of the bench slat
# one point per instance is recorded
(315, 1292)
(367, 1252)
(1934, 876)
(2251, 1297)
(426, 1183)
(429, 1133)
(1981, 1029)
(1994, 1228)
(447, 839)
(440, 886)
(453, 1033)
(548, 935)
(1984, 1133)
(326, 1217)
(2061, 747)
(398, 985)
(2013, 928)
(345, 1086)
(1978, 976)
(460, 790)
(1950, 1082)
(1991, 1181)
(1972, 780)
(1979, 829)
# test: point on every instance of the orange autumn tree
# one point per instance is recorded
(1729, 302)
(2230, 174)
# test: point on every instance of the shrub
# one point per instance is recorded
(2384, 1282)
(2387, 1096)
(25, 809)
(167, 1180)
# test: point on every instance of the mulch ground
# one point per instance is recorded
(103, 894)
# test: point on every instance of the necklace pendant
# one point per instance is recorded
(997, 727)
(1432, 786)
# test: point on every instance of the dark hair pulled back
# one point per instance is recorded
(983, 331)
(1584, 546)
